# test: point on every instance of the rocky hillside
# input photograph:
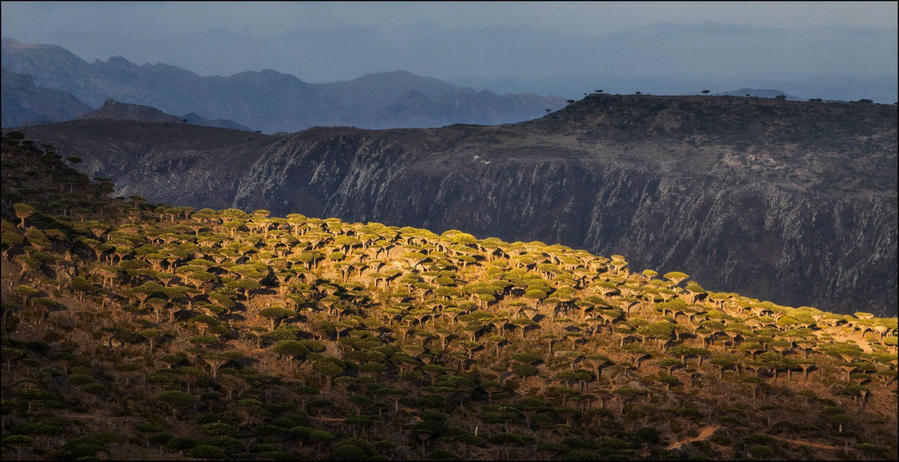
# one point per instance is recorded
(140, 331)
(272, 101)
(191, 163)
(789, 201)
(23, 103)
(114, 110)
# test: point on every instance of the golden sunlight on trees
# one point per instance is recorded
(132, 329)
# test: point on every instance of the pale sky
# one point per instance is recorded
(581, 18)
(326, 41)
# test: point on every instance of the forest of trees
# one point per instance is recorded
(139, 330)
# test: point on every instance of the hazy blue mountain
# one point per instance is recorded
(196, 119)
(838, 63)
(403, 96)
(25, 103)
(270, 100)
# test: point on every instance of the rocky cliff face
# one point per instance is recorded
(173, 163)
(785, 201)
(768, 241)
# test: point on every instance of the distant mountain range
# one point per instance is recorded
(832, 63)
(26, 104)
(23, 103)
(268, 100)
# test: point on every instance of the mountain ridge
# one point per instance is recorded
(114, 110)
(269, 100)
(759, 93)
(120, 111)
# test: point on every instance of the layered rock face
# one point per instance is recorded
(785, 201)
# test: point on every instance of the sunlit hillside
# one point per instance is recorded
(136, 330)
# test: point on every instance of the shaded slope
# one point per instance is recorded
(192, 164)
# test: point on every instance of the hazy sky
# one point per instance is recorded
(326, 41)
(34, 19)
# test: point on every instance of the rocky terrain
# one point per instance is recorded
(268, 100)
(114, 110)
(789, 201)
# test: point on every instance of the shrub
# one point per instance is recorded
(648, 435)
(760, 451)
(145, 427)
(181, 443)
(160, 438)
(348, 451)
(206, 451)
(218, 428)
(757, 438)
(579, 454)
(722, 439)
(441, 454)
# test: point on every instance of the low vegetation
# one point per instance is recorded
(135, 330)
